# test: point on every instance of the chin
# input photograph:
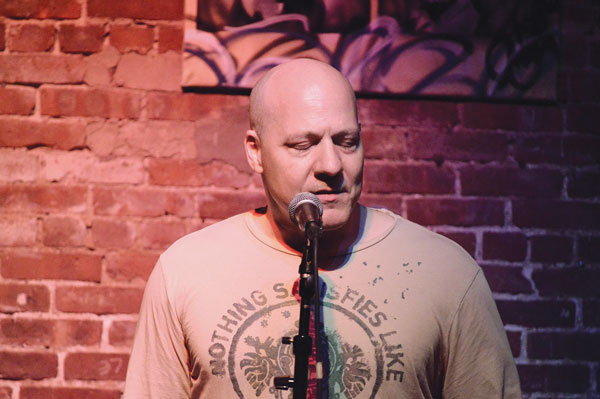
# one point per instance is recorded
(333, 219)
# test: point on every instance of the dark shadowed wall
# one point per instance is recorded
(104, 162)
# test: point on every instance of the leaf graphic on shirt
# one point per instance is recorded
(349, 372)
(348, 368)
(260, 366)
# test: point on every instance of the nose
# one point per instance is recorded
(328, 160)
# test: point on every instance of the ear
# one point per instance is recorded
(252, 147)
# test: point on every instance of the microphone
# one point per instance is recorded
(305, 211)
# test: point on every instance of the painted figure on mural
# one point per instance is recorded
(480, 48)
(322, 15)
(461, 17)
(406, 313)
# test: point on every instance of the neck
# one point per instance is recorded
(331, 243)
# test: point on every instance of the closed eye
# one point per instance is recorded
(349, 141)
(300, 146)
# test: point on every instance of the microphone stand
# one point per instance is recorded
(302, 343)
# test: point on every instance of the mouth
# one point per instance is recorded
(328, 195)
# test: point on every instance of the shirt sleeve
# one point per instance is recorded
(480, 362)
(158, 366)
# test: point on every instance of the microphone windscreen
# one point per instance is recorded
(303, 198)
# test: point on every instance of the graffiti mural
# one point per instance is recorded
(471, 48)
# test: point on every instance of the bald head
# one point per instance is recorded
(305, 137)
(292, 80)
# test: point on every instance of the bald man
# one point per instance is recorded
(406, 313)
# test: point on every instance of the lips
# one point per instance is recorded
(326, 192)
(328, 195)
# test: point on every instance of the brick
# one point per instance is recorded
(537, 313)
(454, 212)
(514, 340)
(557, 345)
(81, 39)
(42, 68)
(100, 67)
(98, 300)
(30, 37)
(83, 166)
(192, 106)
(39, 392)
(160, 234)
(538, 149)
(577, 18)
(55, 134)
(121, 333)
(161, 72)
(132, 38)
(170, 39)
(589, 248)
(591, 313)
(407, 113)
(551, 249)
(595, 54)
(5, 392)
(142, 202)
(504, 246)
(512, 182)
(221, 205)
(160, 139)
(387, 177)
(2, 36)
(28, 365)
(457, 145)
(583, 118)
(584, 184)
(96, 366)
(137, 9)
(383, 142)
(63, 231)
(218, 134)
(54, 9)
(574, 281)
(582, 149)
(24, 298)
(113, 233)
(101, 137)
(17, 232)
(50, 333)
(47, 265)
(574, 52)
(97, 74)
(556, 214)
(130, 266)
(553, 378)
(512, 117)
(43, 199)
(391, 202)
(17, 100)
(77, 101)
(190, 173)
(18, 165)
(507, 279)
(466, 240)
(577, 85)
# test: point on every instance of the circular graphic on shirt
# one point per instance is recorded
(352, 355)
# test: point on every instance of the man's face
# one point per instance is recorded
(311, 142)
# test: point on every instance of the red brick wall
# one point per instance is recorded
(104, 162)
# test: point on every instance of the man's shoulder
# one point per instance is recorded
(409, 230)
(410, 237)
(209, 238)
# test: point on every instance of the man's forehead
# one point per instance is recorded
(299, 84)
